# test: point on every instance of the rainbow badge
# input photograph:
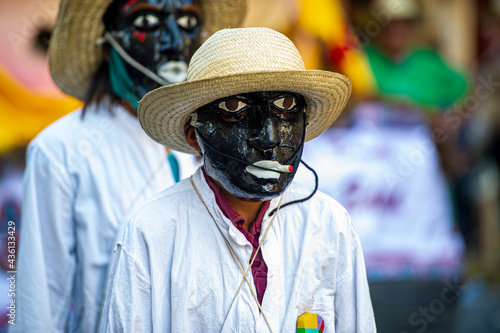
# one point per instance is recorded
(310, 323)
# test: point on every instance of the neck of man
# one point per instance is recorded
(248, 209)
(127, 106)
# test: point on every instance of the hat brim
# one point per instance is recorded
(75, 56)
(164, 112)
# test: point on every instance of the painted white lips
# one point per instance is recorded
(173, 71)
(268, 174)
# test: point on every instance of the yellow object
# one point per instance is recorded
(356, 67)
(317, 27)
(307, 320)
(23, 114)
(326, 20)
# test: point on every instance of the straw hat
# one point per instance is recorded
(235, 61)
(74, 56)
(399, 9)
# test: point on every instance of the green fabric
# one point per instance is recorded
(121, 83)
(174, 165)
(422, 77)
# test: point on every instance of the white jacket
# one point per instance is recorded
(173, 272)
(83, 177)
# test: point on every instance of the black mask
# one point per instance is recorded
(237, 131)
(160, 35)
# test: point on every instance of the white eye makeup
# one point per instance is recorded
(146, 21)
(285, 103)
(187, 22)
(232, 105)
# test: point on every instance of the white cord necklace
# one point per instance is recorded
(236, 259)
(131, 61)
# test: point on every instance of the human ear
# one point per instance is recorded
(189, 131)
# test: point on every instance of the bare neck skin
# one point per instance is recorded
(248, 209)
(127, 106)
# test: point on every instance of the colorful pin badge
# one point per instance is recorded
(310, 323)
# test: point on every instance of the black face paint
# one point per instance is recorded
(160, 35)
(237, 131)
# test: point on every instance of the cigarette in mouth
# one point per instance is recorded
(268, 169)
(285, 168)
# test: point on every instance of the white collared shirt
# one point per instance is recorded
(173, 272)
(83, 178)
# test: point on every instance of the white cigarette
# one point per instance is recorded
(273, 169)
(285, 168)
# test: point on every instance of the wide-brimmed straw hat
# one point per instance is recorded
(399, 9)
(236, 61)
(74, 55)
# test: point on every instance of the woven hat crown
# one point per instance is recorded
(224, 54)
(74, 55)
(237, 61)
(399, 9)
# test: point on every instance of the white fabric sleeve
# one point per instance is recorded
(128, 300)
(46, 259)
(353, 307)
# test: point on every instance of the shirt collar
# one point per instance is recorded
(228, 210)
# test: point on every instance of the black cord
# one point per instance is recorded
(304, 199)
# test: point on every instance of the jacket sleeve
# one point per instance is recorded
(46, 260)
(353, 307)
(128, 300)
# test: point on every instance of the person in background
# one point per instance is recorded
(86, 172)
(406, 70)
(384, 167)
(479, 308)
(238, 247)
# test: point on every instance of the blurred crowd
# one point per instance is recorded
(414, 158)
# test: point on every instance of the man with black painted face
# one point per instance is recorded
(88, 171)
(242, 135)
(160, 35)
(238, 247)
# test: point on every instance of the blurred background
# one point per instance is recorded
(414, 158)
